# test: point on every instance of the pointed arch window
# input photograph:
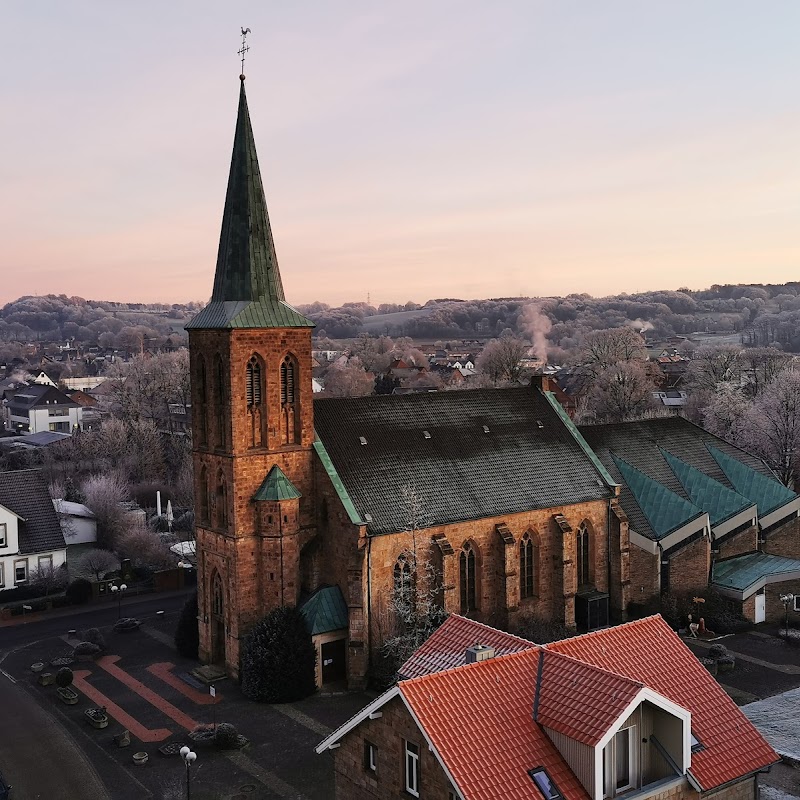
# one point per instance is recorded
(583, 555)
(203, 494)
(254, 385)
(287, 381)
(403, 576)
(528, 557)
(290, 406)
(201, 394)
(222, 501)
(221, 395)
(468, 578)
(217, 596)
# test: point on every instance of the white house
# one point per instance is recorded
(30, 534)
(78, 523)
(36, 408)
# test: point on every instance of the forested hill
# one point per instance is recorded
(761, 314)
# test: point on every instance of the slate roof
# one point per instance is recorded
(748, 571)
(325, 611)
(651, 652)
(248, 292)
(276, 486)
(25, 493)
(436, 443)
(580, 700)
(38, 394)
(643, 445)
(446, 647)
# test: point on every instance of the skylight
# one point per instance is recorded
(545, 784)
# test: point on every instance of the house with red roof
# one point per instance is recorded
(625, 712)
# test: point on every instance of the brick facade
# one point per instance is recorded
(738, 544)
(690, 567)
(783, 541)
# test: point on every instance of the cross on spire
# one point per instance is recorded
(245, 48)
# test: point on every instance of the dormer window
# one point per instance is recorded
(620, 770)
(544, 783)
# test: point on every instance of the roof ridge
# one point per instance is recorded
(537, 648)
(601, 631)
(605, 670)
(492, 628)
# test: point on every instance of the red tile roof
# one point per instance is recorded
(580, 700)
(478, 717)
(446, 647)
(649, 651)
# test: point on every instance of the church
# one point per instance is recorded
(327, 503)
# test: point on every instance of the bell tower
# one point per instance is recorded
(252, 422)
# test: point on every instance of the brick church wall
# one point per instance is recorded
(745, 541)
(784, 541)
(689, 567)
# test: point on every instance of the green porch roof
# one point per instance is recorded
(766, 493)
(325, 611)
(719, 501)
(665, 510)
(742, 572)
(276, 487)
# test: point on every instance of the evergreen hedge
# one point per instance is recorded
(279, 659)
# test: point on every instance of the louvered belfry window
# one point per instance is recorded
(287, 382)
(253, 384)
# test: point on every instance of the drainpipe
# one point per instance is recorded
(608, 560)
(280, 539)
(369, 600)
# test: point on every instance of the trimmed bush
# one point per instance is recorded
(187, 633)
(79, 591)
(717, 651)
(94, 636)
(226, 736)
(278, 659)
(86, 649)
(64, 677)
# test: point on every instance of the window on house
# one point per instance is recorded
(2, 576)
(467, 569)
(583, 547)
(412, 769)
(544, 783)
(3, 535)
(797, 602)
(619, 763)
(21, 571)
(527, 567)
(45, 565)
(697, 745)
(370, 757)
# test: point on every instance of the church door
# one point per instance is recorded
(217, 620)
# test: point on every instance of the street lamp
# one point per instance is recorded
(188, 758)
(118, 590)
(787, 600)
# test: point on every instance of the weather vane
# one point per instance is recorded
(245, 48)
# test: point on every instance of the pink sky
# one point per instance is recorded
(409, 150)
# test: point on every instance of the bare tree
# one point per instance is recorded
(96, 564)
(104, 497)
(622, 392)
(763, 364)
(712, 365)
(144, 548)
(348, 380)
(501, 360)
(725, 414)
(47, 578)
(604, 349)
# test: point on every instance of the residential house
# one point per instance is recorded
(30, 534)
(35, 408)
(623, 712)
(78, 523)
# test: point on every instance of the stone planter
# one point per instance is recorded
(46, 678)
(62, 661)
(37, 667)
(67, 696)
(140, 758)
(122, 739)
(96, 717)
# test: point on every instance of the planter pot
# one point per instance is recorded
(140, 758)
(67, 696)
(47, 678)
(62, 661)
(96, 717)
(725, 666)
(37, 667)
(122, 739)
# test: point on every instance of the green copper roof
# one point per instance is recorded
(347, 501)
(719, 501)
(665, 510)
(248, 292)
(742, 572)
(276, 487)
(325, 611)
(766, 493)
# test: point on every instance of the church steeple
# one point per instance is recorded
(248, 292)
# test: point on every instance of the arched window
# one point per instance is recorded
(217, 596)
(253, 384)
(222, 501)
(528, 553)
(203, 494)
(583, 553)
(220, 398)
(468, 582)
(403, 578)
(290, 406)
(201, 395)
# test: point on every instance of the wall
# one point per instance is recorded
(388, 733)
(784, 541)
(689, 567)
(738, 543)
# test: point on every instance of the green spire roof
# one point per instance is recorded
(325, 611)
(767, 493)
(665, 510)
(718, 500)
(276, 487)
(248, 292)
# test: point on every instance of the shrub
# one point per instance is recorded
(126, 624)
(278, 659)
(717, 651)
(187, 634)
(226, 736)
(64, 677)
(94, 636)
(86, 649)
(79, 591)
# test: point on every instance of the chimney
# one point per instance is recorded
(479, 652)
(542, 383)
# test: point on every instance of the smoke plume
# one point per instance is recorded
(641, 326)
(536, 325)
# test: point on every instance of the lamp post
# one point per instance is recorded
(118, 590)
(787, 600)
(188, 758)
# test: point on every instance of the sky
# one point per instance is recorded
(409, 150)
